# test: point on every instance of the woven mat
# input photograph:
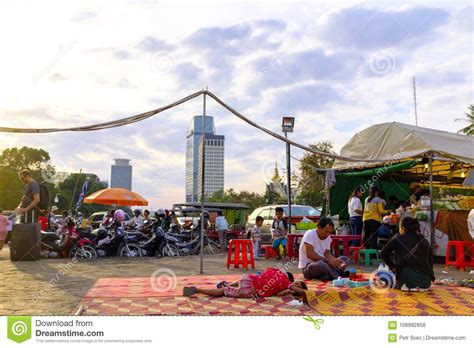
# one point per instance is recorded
(137, 296)
(438, 300)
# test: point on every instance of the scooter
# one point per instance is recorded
(112, 240)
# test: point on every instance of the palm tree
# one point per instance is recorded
(469, 129)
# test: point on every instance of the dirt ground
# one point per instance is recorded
(56, 286)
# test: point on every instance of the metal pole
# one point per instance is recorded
(432, 235)
(414, 99)
(288, 180)
(203, 148)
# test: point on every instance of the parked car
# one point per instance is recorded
(96, 219)
(268, 213)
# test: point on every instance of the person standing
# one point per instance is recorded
(28, 206)
(255, 236)
(279, 231)
(222, 226)
(372, 217)
(3, 228)
(354, 206)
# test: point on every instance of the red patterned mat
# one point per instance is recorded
(139, 296)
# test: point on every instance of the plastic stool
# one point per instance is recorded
(354, 252)
(367, 253)
(242, 247)
(269, 251)
(460, 255)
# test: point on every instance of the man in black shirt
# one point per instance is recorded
(28, 206)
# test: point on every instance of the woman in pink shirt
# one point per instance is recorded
(3, 229)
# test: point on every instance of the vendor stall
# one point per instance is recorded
(423, 168)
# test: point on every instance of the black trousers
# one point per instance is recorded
(30, 217)
(371, 228)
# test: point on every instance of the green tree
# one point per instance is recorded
(311, 184)
(469, 129)
(12, 160)
(68, 199)
(252, 199)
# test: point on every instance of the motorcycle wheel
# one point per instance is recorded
(170, 250)
(211, 248)
(133, 250)
(86, 252)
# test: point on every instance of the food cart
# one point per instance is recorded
(439, 162)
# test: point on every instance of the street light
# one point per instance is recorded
(287, 125)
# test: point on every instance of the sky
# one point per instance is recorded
(337, 67)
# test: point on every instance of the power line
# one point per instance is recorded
(143, 116)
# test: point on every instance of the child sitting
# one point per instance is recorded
(272, 282)
(255, 235)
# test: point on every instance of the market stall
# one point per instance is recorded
(433, 166)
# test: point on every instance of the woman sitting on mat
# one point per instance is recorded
(272, 282)
(413, 265)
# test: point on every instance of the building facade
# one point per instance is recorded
(213, 165)
(193, 140)
(121, 174)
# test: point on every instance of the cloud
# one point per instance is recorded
(151, 44)
(366, 28)
(83, 16)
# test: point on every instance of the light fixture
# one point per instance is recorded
(287, 124)
(463, 173)
(425, 162)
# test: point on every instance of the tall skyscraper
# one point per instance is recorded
(121, 174)
(193, 139)
(213, 165)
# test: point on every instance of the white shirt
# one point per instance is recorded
(354, 203)
(319, 246)
(470, 223)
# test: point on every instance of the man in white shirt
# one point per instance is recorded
(315, 259)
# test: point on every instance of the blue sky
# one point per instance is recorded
(337, 68)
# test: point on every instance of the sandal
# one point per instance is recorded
(189, 291)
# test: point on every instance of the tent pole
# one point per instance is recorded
(203, 144)
(432, 233)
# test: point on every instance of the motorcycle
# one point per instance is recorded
(192, 246)
(67, 242)
(113, 240)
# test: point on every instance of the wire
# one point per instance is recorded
(143, 116)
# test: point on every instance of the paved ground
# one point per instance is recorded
(55, 286)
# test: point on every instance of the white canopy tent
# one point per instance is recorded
(395, 142)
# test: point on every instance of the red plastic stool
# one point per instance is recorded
(460, 254)
(241, 248)
(354, 251)
(269, 251)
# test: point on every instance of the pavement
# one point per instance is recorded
(56, 286)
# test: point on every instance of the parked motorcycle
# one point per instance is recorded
(67, 242)
(112, 240)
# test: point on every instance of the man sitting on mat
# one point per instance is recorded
(272, 282)
(316, 260)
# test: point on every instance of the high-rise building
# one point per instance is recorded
(213, 165)
(121, 174)
(193, 139)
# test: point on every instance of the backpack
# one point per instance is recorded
(44, 197)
